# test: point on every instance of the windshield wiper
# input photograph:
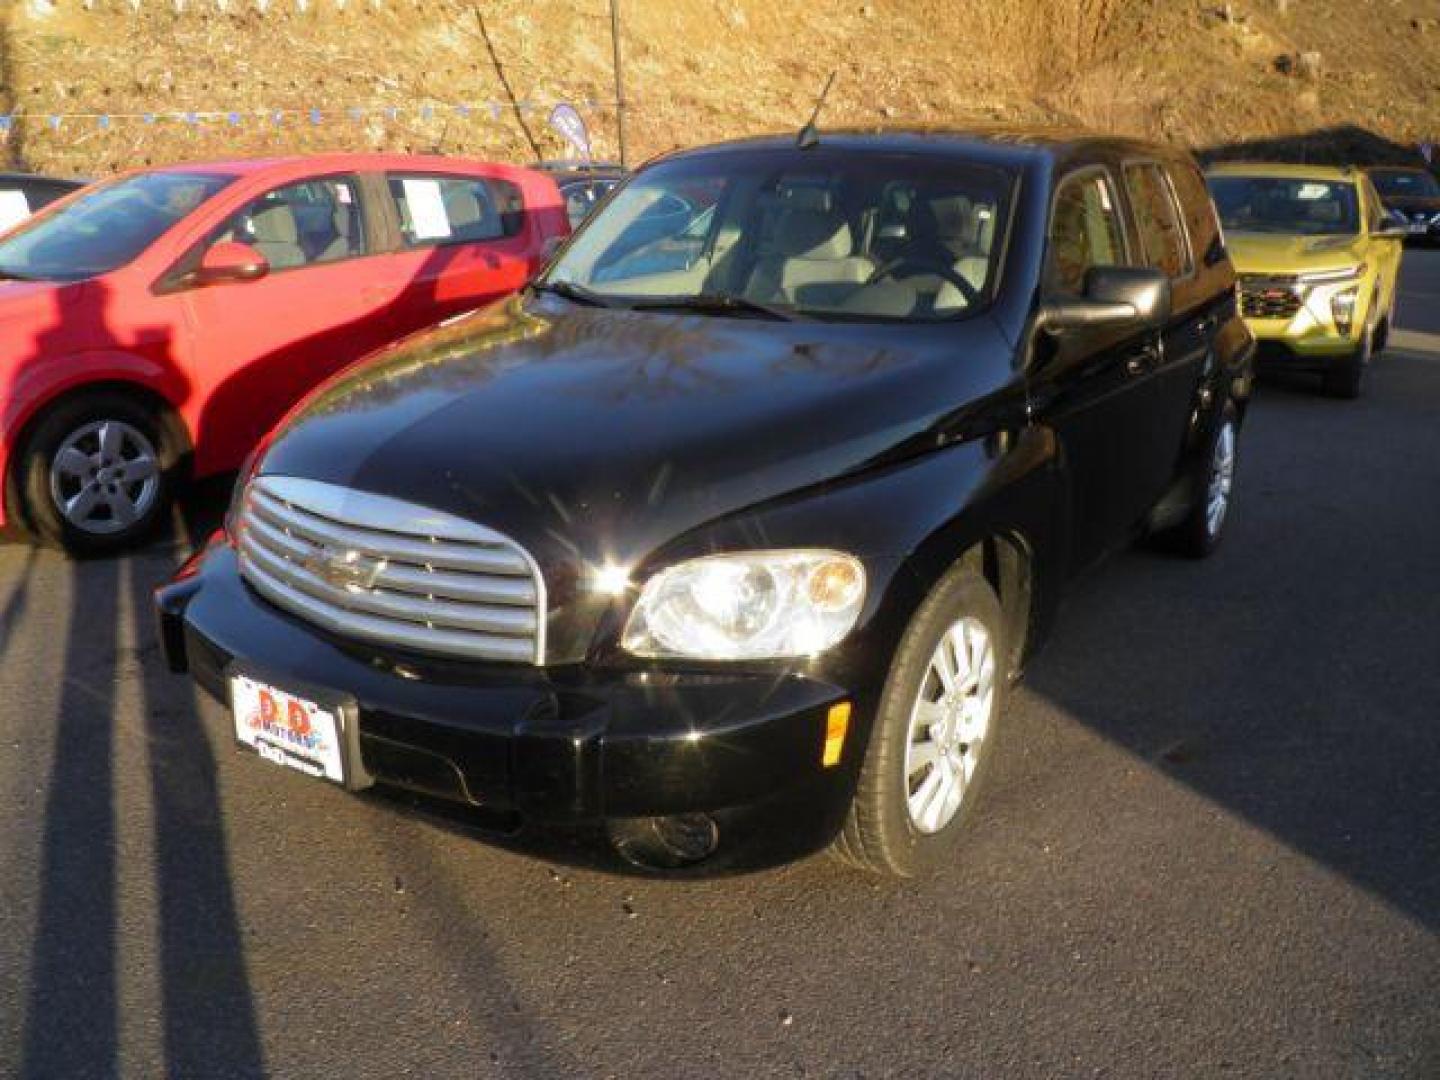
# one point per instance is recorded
(718, 304)
(11, 275)
(570, 291)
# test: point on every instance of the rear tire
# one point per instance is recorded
(97, 473)
(1199, 533)
(929, 733)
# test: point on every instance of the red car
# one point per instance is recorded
(153, 327)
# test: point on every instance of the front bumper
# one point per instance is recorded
(532, 748)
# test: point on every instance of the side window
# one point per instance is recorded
(1162, 237)
(1085, 231)
(455, 209)
(1201, 219)
(314, 221)
(582, 197)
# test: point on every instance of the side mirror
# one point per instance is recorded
(1137, 296)
(229, 260)
(1394, 226)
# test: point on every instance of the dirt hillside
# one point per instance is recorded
(97, 85)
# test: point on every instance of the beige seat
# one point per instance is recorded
(810, 259)
(964, 231)
(466, 214)
(277, 237)
(343, 246)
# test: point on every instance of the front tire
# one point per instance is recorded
(96, 474)
(934, 732)
(1347, 378)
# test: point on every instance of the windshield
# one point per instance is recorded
(1404, 182)
(104, 228)
(798, 233)
(1286, 205)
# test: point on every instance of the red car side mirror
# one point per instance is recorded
(230, 260)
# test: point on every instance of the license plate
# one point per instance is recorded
(287, 729)
(1419, 228)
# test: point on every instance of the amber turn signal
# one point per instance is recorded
(837, 723)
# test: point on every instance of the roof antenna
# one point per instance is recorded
(810, 134)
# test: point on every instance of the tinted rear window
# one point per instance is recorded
(1158, 218)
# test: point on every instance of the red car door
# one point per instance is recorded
(256, 347)
(464, 240)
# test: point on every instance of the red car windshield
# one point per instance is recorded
(104, 228)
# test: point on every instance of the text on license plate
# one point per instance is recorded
(286, 729)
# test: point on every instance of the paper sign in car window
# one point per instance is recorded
(427, 209)
(13, 209)
(1312, 192)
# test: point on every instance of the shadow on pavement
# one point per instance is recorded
(1312, 718)
(72, 1022)
(209, 1014)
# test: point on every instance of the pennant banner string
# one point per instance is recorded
(314, 115)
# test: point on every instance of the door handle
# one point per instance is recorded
(1142, 360)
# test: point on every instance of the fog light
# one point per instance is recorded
(665, 843)
(1342, 310)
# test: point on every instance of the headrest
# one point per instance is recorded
(274, 225)
(952, 217)
(812, 234)
(461, 207)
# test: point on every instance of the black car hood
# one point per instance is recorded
(599, 434)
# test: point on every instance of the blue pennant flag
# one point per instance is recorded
(54, 123)
(6, 122)
(104, 123)
(315, 116)
(148, 118)
(234, 119)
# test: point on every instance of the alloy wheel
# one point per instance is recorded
(949, 723)
(105, 477)
(1222, 479)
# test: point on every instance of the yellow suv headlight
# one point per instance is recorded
(1342, 308)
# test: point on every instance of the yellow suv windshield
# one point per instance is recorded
(1286, 205)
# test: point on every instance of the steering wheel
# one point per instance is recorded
(912, 265)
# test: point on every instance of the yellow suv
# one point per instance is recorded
(1318, 258)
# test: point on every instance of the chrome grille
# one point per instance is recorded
(388, 572)
(1269, 297)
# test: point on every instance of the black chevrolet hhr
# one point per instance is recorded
(724, 541)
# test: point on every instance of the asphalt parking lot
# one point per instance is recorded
(1211, 842)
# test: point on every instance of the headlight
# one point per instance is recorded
(1342, 308)
(750, 606)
